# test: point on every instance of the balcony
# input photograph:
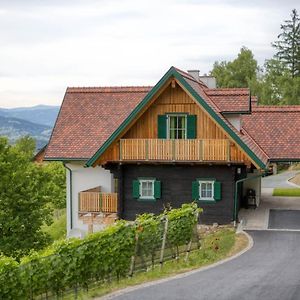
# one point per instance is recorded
(197, 150)
(97, 202)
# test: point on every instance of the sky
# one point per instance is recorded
(48, 45)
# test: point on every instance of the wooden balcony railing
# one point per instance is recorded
(98, 202)
(175, 150)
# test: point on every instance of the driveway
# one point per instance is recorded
(270, 270)
(253, 219)
(279, 180)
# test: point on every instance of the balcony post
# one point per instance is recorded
(173, 150)
(200, 150)
(120, 149)
(147, 149)
(228, 150)
(100, 202)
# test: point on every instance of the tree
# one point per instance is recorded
(57, 184)
(288, 45)
(241, 72)
(26, 192)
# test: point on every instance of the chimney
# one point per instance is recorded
(194, 73)
(209, 81)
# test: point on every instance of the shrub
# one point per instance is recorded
(104, 255)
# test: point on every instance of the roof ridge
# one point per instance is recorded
(109, 89)
(276, 108)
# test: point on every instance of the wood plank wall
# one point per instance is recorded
(173, 100)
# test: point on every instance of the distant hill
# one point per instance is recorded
(40, 114)
(36, 121)
(15, 128)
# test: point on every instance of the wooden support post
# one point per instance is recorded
(228, 150)
(173, 150)
(163, 245)
(90, 228)
(147, 149)
(120, 149)
(196, 230)
(188, 250)
(134, 255)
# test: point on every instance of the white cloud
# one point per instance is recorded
(46, 46)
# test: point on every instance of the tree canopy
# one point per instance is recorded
(278, 81)
(27, 194)
(237, 73)
(288, 44)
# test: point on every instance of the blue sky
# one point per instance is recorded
(46, 45)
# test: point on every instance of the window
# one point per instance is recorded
(146, 189)
(206, 190)
(177, 126)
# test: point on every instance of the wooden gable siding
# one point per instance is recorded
(172, 100)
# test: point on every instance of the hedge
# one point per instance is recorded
(75, 263)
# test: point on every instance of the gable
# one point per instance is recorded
(174, 100)
(194, 98)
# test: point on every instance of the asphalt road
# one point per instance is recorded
(269, 270)
(279, 180)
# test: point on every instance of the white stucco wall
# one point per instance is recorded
(235, 120)
(254, 184)
(83, 179)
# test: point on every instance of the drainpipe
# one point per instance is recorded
(71, 196)
(235, 195)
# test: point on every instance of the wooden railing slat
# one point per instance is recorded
(98, 202)
(178, 150)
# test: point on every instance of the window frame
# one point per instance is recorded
(210, 199)
(185, 130)
(141, 180)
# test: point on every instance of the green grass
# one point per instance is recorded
(286, 192)
(57, 230)
(215, 247)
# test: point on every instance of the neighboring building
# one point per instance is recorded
(131, 150)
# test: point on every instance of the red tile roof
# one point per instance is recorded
(87, 118)
(230, 99)
(275, 129)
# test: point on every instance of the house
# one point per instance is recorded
(130, 150)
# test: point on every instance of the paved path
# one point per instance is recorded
(253, 219)
(268, 271)
(279, 180)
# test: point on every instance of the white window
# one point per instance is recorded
(177, 126)
(206, 190)
(146, 189)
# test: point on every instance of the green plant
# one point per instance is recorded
(9, 279)
(103, 256)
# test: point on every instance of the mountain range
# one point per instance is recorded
(36, 121)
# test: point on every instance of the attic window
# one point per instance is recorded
(177, 126)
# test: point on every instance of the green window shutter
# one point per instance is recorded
(136, 189)
(162, 126)
(217, 191)
(157, 189)
(195, 190)
(191, 126)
